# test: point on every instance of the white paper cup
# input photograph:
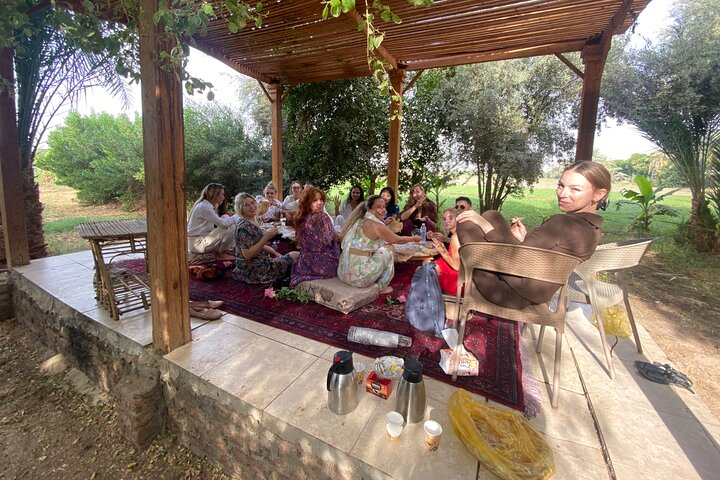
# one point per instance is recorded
(360, 372)
(394, 424)
(433, 433)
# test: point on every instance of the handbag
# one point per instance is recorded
(425, 308)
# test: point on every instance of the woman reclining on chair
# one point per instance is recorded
(582, 189)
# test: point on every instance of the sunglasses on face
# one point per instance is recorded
(460, 207)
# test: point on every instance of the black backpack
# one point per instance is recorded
(425, 308)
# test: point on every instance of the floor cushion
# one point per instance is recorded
(335, 294)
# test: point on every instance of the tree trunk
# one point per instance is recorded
(33, 214)
(33, 219)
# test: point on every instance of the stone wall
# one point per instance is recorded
(154, 393)
(6, 308)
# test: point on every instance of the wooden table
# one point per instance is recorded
(118, 290)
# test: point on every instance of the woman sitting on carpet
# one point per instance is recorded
(209, 232)
(269, 199)
(292, 202)
(316, 238)
(449, 262)
(344, 210)
(255, 261)
(419, 210)
(367, 252)
(583, 188)
(391, 206)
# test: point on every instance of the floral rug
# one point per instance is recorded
(493, 341)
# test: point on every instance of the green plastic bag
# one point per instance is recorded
(504, 441)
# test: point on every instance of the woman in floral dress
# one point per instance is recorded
(255, 260)
(367, 251)
(315, 235)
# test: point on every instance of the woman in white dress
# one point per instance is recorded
(269, 204)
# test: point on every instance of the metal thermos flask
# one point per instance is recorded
(410, 402)
(342, 384)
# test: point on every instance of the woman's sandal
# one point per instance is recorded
(386, 290)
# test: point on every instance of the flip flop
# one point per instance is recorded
(664, 374)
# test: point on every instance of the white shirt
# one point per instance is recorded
(290, 204)
(273, 212)
(204, 219)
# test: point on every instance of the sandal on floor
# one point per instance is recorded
(664, 374)
(386, 290)
(198, 305)
(205, 313)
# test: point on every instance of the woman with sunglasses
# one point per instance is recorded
(209, 231)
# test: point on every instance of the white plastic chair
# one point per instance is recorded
(586, 288)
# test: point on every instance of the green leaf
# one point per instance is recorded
(233, 27)
(326, 11)
(335, 10)
(210, 95)
(644, 185)
(361, 25)
(88, 5)
(208, 9)
(377, 41)
(347, 5)
(386, 15)
(258, 6)
(396, 19)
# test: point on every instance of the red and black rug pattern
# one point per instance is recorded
(494, 342)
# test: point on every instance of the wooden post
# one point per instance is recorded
(594, 59)
(393, 169)
(12, 206)
(276, 94)
(163, 145)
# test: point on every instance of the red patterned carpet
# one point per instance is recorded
(493, 341)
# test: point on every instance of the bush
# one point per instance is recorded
(100, 155)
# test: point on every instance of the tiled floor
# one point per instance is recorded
(650, 431)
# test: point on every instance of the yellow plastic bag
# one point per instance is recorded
(504, 441)
(615, 321)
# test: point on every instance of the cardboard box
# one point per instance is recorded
(378, 386)
(468, 365)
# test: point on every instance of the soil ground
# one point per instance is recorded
(57, 426)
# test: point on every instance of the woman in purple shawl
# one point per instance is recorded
(316, 238)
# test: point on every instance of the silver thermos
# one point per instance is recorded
(342, 384)
(410, 401)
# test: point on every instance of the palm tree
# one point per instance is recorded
(52, 73)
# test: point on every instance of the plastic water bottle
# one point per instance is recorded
(381, 338)
(423, 232)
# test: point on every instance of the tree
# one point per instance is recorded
(506, 118)
(52, 72)
(671, 92)
(337, 132)
(217, 149)
(99, 155)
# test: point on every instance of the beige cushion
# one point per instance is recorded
(335, 294)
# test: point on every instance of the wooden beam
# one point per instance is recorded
(384, 54)
(234, 65)
(12, 206)
(393, 169)
(570, 65)
(265, 91)
(412, 82)
(163, 148)
(594, 57)
(276, 93)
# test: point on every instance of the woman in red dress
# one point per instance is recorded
(449, 264)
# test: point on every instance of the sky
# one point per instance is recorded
(613, 140)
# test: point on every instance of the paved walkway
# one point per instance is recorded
(628, 428)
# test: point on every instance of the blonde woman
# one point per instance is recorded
(255, 261)
(209, 232)
(274, 206)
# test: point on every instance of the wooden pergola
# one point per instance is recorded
(295, 45)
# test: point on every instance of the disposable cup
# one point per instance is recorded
(360, 372)
(433, 433)
(394, 424)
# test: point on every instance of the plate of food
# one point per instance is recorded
(389, 366)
